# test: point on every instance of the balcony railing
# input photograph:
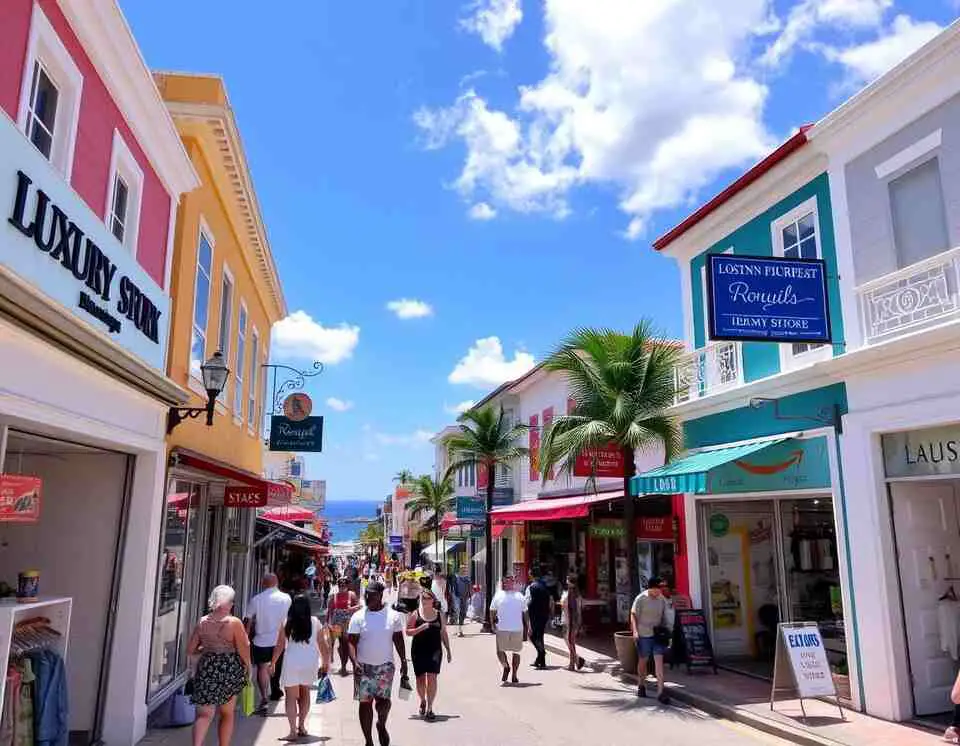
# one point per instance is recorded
(923, 294)
(710, 369)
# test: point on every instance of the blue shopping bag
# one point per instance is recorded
(325, 691)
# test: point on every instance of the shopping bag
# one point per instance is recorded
(404, 691)
(325, 691)
(247, 700)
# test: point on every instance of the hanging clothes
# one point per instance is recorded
(51, 715)
(948, 621)
(24, 728)
(11, 698)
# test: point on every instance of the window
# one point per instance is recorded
(49, 95)
(226, 313)
(919, 219)
(252, 383)
(472, 474)
(42, 110)
(123, 198)
(201, 305)
(796, 235)
(241, 361)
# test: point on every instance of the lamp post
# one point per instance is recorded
(214, 373)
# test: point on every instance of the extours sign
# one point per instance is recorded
(302, 436)
(19, 498)
(245, 496)
(767, 299)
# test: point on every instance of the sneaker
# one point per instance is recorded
(951, 735)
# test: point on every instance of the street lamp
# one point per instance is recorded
(214, 373)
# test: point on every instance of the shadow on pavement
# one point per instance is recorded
(522, 684)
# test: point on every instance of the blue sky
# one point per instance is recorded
(504, 162)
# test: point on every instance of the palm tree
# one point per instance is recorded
(486, 439)
(622, 386)
(403, 477)
(434, 495)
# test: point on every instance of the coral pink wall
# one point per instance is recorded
(99, 116)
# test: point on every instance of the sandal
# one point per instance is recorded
(423, 709)
(302, 732)
(430, 718)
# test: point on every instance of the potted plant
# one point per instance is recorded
(626, 651)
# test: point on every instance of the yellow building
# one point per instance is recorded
(226, 296)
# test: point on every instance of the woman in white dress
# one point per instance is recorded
(306, 652)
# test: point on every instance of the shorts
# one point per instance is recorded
(647, 646)
(261, 656)
(373, 682)
(509, 642)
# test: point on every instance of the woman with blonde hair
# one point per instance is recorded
(223, 668)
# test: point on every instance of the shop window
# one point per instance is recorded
(201, 304)
(124, 195)
(226, 315)
(241, 362)
(919, 218)
(50, 93)
(178, 606)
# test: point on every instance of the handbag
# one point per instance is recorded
(325, 693)
(661, 636)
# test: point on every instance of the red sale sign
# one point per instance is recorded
(600, 462)
(20, 498)
(245, 496)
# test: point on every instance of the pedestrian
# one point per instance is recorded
(572, 620)
(476, 604)
(267, 613)
(438, 586)
(303, 643)
(342, 605)
(223, 668)
(461, 591)
(374, 634)
(540, 605)
(650, 624)
(508, 620)
(311, 575)
(429, 632)
(408, 594)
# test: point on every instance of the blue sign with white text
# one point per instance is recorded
(767, 299)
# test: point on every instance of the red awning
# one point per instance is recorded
(278, 493)
(450, 520)
(556, 509)
(288, 513)
(498, 529)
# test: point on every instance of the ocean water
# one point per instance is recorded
(337, 511)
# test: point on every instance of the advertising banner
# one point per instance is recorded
(767, 299)
(20, 498)
(469, 508)
(300, 437)
(600, 462)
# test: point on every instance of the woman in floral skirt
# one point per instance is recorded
(223, 668)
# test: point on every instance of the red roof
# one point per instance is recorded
(784, 151)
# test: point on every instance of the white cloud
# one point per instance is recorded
(653, 98)
(482, 211)
(808, 15)
(410, 308)
(484, 365)
(459, 408)
(339, 405)
(300, 337)
(417, 437)
(866, 62)
(494, 21)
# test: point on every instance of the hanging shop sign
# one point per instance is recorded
(303, 436)
(469, 508)
(19, 498)
(767, 299)
(922, 453)
(245, 496)
(477, 530)
(607, 530)
(658, 528)
(600, 462)
(297, 407)
(54, 241)
(540, 536)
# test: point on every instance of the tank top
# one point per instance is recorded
(341, 600)
(430, 639)
(213, 636)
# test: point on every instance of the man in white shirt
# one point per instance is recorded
(266, 614)
(508, 619)
(375, 632)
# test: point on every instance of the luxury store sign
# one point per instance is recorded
(922, 453)
(55, 242)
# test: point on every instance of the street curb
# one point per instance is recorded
(713, 707)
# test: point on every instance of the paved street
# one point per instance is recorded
(552, 707)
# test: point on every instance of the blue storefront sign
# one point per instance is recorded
(395, 542)
(767, 299)
(470, 508)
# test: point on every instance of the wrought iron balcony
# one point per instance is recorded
(923, 294)
(710, 369)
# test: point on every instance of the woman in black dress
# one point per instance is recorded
(429, 633)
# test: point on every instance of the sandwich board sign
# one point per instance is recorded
(801, 664)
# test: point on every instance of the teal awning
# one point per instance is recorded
(691, 473)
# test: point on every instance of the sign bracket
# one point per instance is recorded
(828, 415)
(297, 380)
